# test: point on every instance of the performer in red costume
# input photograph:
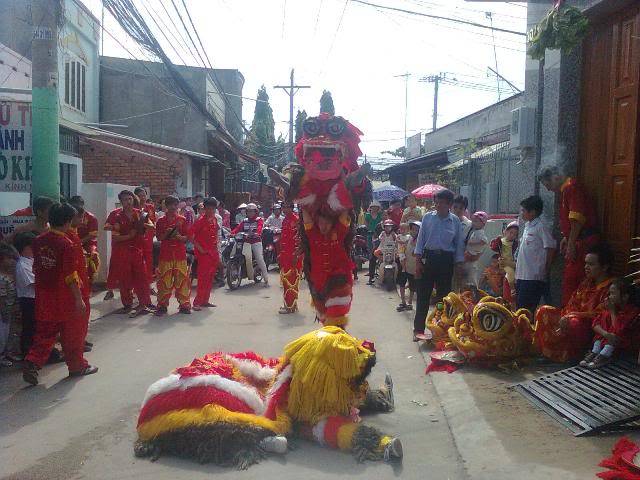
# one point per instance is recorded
(87, 230)
(150, 209)
(205, 243)
(81, 264)
(331, 267)
(578, 225)
(173, 271)
(60, 309)
(290, 259)
(128, 226)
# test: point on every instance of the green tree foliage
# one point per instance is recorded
(301, 116)
(326, 103)
(262, 142)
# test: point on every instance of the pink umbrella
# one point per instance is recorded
(428, 190)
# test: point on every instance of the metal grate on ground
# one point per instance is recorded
(589, 401)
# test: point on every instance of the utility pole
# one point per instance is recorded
(435, 79)
(291, 90)
(45, 165)
(406, 108)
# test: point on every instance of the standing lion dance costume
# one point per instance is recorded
(232, 409)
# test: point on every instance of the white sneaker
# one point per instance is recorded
(274, 444)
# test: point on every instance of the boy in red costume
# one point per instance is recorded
(60, 308)
(79, 257)
(150, 209)
(578, 225)
(290, 259)
(331, 278)
(87, 230)
(128, 268)
(613, 327)
(205, 243)
(173, 272)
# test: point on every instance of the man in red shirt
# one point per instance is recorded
(173, 272)
(60, 308)
(578, 225)
(128, 226)
(395, 212)
(290, 259)
(205, 243)
(149, 208)
(87, 230)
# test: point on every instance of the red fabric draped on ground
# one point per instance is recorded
(619, 469)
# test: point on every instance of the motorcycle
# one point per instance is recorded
(237, 264)
(360, 248)
(387, 267)
(271, 245)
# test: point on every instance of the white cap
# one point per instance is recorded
(242, 205)
(252, 206)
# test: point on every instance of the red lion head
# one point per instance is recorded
(329, 147)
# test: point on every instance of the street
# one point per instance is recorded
(463, 425)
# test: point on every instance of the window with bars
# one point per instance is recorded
(74, 84)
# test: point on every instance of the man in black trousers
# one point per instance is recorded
(439, 248)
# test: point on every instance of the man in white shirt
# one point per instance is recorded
(25, 288)
(275, 219)
(535, 254)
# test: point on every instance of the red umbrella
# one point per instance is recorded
(428, 190)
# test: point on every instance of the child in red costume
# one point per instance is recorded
(613, 326)
(150, 210)
(127, 266)
(205, 243)
(331, 278)
(290, 259)
(60, 308)
(86, 227)
(173, 272)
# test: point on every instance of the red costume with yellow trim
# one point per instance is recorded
(88, 230)
(55, 267)
(224, 408)
(570, 343)
(173, 272)
(127, 267)
(204, 232)
(290, 261)
(576, 206)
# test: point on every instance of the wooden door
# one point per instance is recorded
(609, 139)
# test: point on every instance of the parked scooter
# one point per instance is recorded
(360, 250)
(240, 263)
(271, 245)
(387, 269)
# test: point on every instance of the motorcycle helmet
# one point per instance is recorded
(241, 206)
(375, 203)
(252, 206)
(482, 216)
(389, 223)
(417, 223)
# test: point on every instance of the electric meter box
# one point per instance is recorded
(523, 127)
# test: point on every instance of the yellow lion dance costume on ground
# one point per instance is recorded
(445, 314)
(233, 409)
(492, 332)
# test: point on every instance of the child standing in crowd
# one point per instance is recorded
(613, 327)
(408, 273)
(402, 240)
(388, 241)
(506, 246)
(25, 288)
(475, 243)
(8, 300)
(413, 213)
(492, 280)
(60, 308)
(535, 255)
(173, 272)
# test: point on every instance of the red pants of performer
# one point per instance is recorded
(561, 344)
(573, 273)
(148, 261)
(72, 331)
(290, 278)
(113, 276)
(132, 277)
(207, 268)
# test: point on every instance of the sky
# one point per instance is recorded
(355, 51)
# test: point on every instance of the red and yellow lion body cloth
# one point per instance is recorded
(231, 409)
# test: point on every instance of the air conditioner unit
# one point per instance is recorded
(523, 127)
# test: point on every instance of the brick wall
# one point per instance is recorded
(104, 163)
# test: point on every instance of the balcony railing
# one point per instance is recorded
(69, 143)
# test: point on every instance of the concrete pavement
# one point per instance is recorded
(467, 424)
(84, 429)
